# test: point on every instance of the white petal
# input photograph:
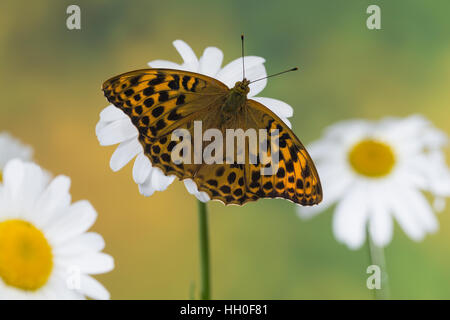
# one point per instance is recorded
(13, 176)
(52, 201)
(99, 127)
(164, 64)
(349, 220)
(254, 69)
(89, 242)
(323, 149)
(160, 181)
(192, 189)
(79, 218)
(111, 113)
(142, 168)
(117, 132)
(95, 263)
(190, 186)
(380, 224)
(35, 181)
(23, 184)
(92, 288)
(348, 130)
(439, 204)
(146, 188)
(210, 61)
(401, 212)
(202, 196)
(420, 209)
(287, 122)
(124, 153)
(334, 184)
(437, 173)
(190, 59)
(56, 289)
(280, 108)
(11, 148)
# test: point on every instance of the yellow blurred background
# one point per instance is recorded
(50, 79)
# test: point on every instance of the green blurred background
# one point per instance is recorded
(51, 77)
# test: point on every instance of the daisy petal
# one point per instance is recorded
(380, 224)
(146, 188)
(94, 263)
(349, 221)
(160, 181)
(254, 69)
(164, 64)
(142, 168)
(411, 227)
(23, 180)
(116, 132)
(76, 220)
(287, 122)
(13, 176)
(112, 113)
(89, 242)
(11, 148)
(332, 190)
(210, 61)
(439, 204)
(188, 55)
(53, 200)
(124, 153)
(421, 209)
(92, 288)
(192, 189)
(280, 108)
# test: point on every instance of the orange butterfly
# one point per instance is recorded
(160, 101)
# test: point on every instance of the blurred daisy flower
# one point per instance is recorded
(376, 171)
(115, 127)
(45, 251)
(11, 148)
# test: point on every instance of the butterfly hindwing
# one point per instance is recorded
(296, 178)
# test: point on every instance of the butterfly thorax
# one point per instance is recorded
(236, 98)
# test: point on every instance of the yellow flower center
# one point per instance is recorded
(1, 177)
(372, 158)
(26, 259)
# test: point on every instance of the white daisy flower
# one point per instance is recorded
(45, 251)
(116, 127)
(376, 171)
(11, 148)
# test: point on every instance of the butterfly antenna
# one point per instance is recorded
(276, 74)
(243, 66)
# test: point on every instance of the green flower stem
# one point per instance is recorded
(205, 293)
(377, 258)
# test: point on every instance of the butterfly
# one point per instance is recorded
(160, 101)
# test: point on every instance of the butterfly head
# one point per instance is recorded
(242, 87)
(236, 97)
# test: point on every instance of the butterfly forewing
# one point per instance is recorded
(158, 101)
